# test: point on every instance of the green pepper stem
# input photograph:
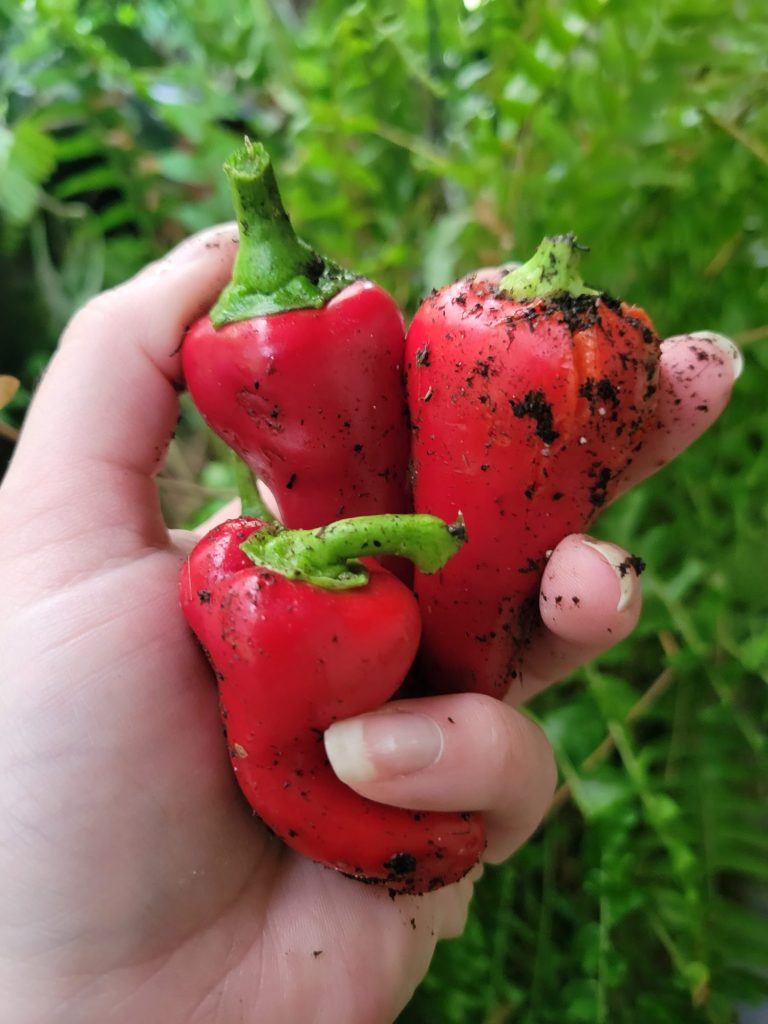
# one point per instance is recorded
(274, 270)
(251, 502)
(551, 271)
(326, 557)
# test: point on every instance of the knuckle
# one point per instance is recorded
(97, 315)
(523, 753)
(511, 743)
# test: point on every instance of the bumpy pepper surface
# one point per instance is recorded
(299, 367)
(529, 395)
(292, 656)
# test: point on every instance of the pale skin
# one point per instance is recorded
(135, 884)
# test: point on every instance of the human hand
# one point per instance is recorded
(136, 883)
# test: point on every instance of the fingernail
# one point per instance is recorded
(626, 567)
(186, 252)
(373, 748)
(195, 247)
(729, 348)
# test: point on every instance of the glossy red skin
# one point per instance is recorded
(472, 357)
(290, 660)
(313, 400)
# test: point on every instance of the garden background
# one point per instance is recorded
(414, 142)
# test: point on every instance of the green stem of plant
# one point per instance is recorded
(274, 271)
(327, 557)
(251, 502)
(551, 271)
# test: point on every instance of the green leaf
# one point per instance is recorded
(27, 157)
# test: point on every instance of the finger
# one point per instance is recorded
(459, 752)
(589, 600)
(232, 509)
(697, 373)
(105, 411)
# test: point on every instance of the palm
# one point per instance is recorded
(197, 893)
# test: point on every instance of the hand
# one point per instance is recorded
(136, 885)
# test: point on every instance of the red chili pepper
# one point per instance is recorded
(529, 395)
(299, 367)
(299, 637)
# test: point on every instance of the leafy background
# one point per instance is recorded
(415, 142)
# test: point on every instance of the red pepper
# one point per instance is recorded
(529, 396)
(299, 367)
(299, 637)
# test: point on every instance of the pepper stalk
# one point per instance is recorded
(274, 271)
(551, 271)
(328, 556)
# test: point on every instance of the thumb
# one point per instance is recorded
(105, 411)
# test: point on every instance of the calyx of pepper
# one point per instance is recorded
(551, 271)
(274, 271)
(328, 556)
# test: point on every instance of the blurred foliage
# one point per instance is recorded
(415, 142)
